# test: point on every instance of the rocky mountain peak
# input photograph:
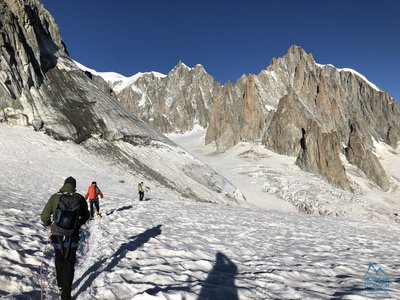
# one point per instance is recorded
(293, 57)
(292, 100)
(305, 112)
(296, 51)
(181, 69)
(199, 67)
(175, 102)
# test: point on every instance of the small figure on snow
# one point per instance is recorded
(141, 191)
(65, 211)
(93, 194)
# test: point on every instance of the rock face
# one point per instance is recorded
(319, 154)
(319, 111)
(41, 86)
(293, 101)
(226, 107)
(252, 117)
(237, 114)
(39, 81)
(306, 110)
(361, 156)
(175, 102)
(25, 60)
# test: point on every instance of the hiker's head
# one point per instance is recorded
(94, 182)
(70, 180)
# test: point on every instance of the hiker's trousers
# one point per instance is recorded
(94, 202)
(65, 259)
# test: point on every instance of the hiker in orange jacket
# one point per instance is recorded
(93, 194)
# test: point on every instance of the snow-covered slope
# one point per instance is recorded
(168, 248)
(117, 81)
(273, 181)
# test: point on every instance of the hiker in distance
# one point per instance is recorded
(141, 191)
(66, 211)
(93, 194)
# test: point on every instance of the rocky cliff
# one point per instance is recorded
(41, 86)
(295, 107)
(175, 102)
(322, 110)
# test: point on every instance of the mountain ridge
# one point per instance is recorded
(338, 101)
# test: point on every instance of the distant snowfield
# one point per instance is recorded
(272, 181)
(117, 81)
(171, 248)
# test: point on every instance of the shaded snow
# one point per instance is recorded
(168, 248)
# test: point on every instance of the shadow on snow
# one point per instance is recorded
(134, 243)
(219, 284)
(118, 209)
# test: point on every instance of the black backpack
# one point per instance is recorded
(66, 218)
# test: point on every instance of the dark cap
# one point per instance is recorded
(70, 180)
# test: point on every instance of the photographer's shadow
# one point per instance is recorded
(220, 282)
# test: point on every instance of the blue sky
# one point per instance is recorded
(230, 38)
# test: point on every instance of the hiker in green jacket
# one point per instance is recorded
(141, 191)
(65, 211)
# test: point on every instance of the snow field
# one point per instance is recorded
(173, 248)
